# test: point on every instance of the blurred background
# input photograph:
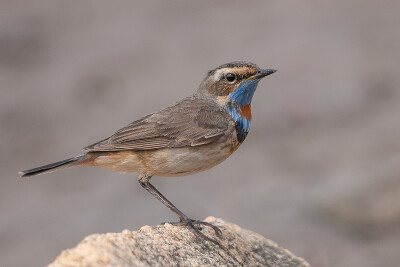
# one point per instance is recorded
(319, 172)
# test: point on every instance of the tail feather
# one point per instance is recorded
(53, 166)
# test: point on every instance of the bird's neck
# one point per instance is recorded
(242, 117)
(239, 107)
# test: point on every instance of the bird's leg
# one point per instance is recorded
(144, 182)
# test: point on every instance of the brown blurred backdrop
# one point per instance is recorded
(319, 172)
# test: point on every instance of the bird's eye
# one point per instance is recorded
(230, 77)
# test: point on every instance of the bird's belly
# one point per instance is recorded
(167, 162)
(185, 160)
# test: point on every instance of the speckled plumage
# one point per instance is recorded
(192, 135)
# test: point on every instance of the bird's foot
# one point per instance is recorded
(197, 229)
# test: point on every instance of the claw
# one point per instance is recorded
(191, 224)
(217, 231)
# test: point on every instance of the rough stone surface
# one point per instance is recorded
(168, 245)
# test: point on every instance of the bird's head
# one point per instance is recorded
(232, 86)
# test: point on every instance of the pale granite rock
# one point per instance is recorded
(168, 245)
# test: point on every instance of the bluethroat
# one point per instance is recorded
(193, 135)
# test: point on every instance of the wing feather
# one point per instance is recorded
(191, 122)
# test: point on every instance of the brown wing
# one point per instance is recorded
(190, 122)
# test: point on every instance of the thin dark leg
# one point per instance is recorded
(183, 218)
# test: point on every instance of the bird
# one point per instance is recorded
(190, 136)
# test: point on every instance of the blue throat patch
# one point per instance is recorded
(238, 99)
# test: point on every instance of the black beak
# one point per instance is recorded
(262, 73)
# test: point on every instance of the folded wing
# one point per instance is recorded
(190, 122)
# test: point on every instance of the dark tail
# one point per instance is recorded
(53, 166)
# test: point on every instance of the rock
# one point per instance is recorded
(168, 245)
